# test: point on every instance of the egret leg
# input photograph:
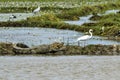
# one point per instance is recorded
(84, 44)
(78, 43)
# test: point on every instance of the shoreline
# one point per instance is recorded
(58, 49)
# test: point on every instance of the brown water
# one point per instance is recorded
(60, 68)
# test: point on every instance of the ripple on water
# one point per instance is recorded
(59, 67)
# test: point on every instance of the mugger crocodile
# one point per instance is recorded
(58, 49)
(20, 48)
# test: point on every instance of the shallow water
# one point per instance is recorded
(111, 11)
(86, 19)
(60, 68)
(81, 21)
(19, 16)
(38, 36)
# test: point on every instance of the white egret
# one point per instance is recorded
(85, 37)
(36, 10)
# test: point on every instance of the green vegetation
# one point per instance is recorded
(45, 17)
(110, 22)
(61, 0)
(66, 11)
(53, 14)
(86, 10)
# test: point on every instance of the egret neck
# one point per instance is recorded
(90, 33)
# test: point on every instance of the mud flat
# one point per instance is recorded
(60, 68)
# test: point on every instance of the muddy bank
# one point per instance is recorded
(58, 49)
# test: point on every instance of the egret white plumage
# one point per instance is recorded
(36, 10)
(86, 37)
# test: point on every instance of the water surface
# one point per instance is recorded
(37, 36)
(86, 19)
(60, 68)
(19, 16)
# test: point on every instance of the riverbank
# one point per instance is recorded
(58, 49)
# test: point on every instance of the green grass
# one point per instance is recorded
(69, 10)
(86, 10)
(54, 15)
(111, 22)
(60, 0)
(66, 13)
(45, 17)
